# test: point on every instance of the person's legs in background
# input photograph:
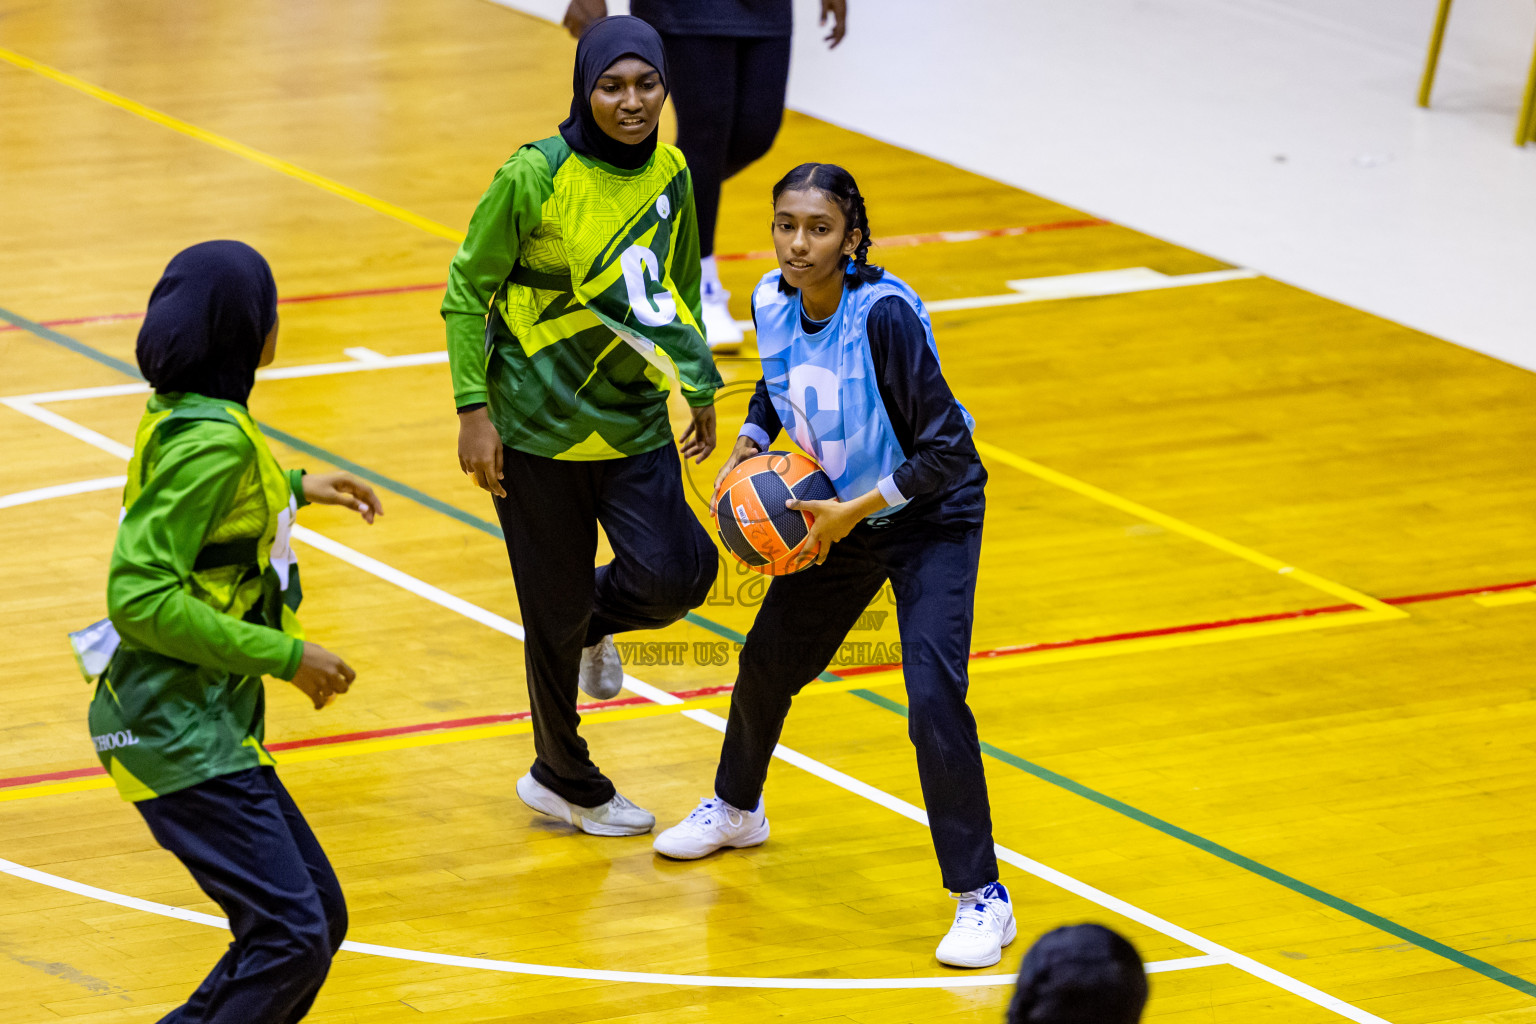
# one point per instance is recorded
(729, 95)
(762, 76)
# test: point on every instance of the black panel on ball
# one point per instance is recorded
(730, 533)
(773, 492)
(815, 486)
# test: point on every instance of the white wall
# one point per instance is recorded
(1276, 134)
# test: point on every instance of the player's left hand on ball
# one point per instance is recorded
(342, 489)
(699, 439)
(831, 522)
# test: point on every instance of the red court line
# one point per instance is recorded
(857, 670)
(894, 242)
(360, 293)
(1442, 595)
(1198, 627)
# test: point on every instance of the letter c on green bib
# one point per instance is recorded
(654, 309)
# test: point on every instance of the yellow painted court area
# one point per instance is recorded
(1254, 636)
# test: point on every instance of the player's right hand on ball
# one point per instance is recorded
(480, 450)
(322, 675)
(745, 449)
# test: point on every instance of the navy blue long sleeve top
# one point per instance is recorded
(942, 477)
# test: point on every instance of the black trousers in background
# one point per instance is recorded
(729, 95)
(663, 566)
(248, 847)
(804, 619)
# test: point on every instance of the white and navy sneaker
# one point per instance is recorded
(720, 328)
(712, 825)
(602, 670)
(983, 926)
(617, 817)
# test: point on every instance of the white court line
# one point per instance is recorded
(359, 362)
(69, 427)
(1080, 286)
(1031, 289)
(104, 391)
(405, 581)
(581, 973)
(1083, 286)
(106, 483)
(1220, 953)
(353, 366)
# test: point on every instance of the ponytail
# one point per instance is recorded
(838, 185)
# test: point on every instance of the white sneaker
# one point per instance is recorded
(712, 825)
(602, 670)
(720, 328)
(983, 926)
(617, 817)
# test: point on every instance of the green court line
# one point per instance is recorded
(1424, 942)
(80, 348)
(315, 451)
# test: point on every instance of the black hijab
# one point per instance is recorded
(1081, 974)
(208, 319)
(606, 42)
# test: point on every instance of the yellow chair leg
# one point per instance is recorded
(1432, 61)
(1525, 128)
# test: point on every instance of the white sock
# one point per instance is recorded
(709, 277)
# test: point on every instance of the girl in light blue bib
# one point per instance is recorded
(851, 372)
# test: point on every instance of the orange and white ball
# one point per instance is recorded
(751, 518)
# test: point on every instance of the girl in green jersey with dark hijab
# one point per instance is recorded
(572, 306)
(202, 591)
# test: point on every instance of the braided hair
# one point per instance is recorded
(838, 185)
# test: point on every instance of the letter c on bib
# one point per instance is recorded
(815, 396)
(654, 309)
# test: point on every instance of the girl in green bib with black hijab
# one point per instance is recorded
(202, 591)
(572, 307)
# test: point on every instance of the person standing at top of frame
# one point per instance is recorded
(730, 64)
(571, 307)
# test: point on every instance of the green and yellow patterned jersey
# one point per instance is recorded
(193, 592)
(574, 303)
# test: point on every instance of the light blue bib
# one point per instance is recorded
(824, 385)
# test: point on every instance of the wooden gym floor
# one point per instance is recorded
(1254, 627)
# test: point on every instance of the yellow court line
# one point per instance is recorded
(399, 213)
(56, 788)
(1383, 611)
